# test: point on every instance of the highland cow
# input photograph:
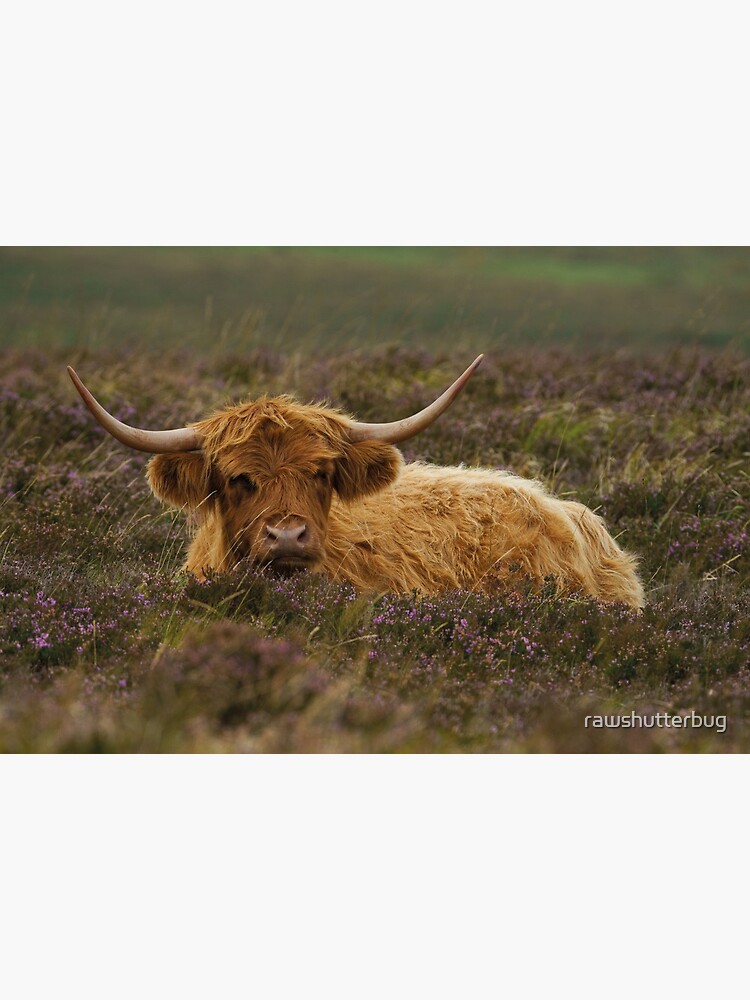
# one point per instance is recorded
(298, 486)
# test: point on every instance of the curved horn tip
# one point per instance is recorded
(74, 376)
(78, 383)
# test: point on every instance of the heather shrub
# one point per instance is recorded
(107, 646)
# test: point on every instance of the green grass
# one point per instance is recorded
(316, 299)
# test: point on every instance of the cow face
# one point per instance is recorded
(266, 475)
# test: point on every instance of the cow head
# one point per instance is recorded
(263, 473)
(267, 472)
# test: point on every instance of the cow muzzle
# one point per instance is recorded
(288, 542)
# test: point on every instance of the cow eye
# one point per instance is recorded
(322, 474)
(243, 481)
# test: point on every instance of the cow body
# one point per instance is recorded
(421, 528)
(437, 529)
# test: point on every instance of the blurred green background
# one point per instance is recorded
(323, 299)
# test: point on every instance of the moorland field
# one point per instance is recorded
(620, 378)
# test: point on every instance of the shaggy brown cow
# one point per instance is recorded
(305, 486)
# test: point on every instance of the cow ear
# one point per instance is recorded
(185, 480)
(365, 467)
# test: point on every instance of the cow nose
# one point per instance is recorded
(288, 542)
(287, 537)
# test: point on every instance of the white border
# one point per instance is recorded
(408, 123)
(372, 876)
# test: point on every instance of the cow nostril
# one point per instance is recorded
(284, 536)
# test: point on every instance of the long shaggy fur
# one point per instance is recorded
(435, 529)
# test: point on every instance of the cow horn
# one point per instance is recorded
(156, 442)
(401, 430)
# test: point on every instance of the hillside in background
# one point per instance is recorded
(315, 300)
